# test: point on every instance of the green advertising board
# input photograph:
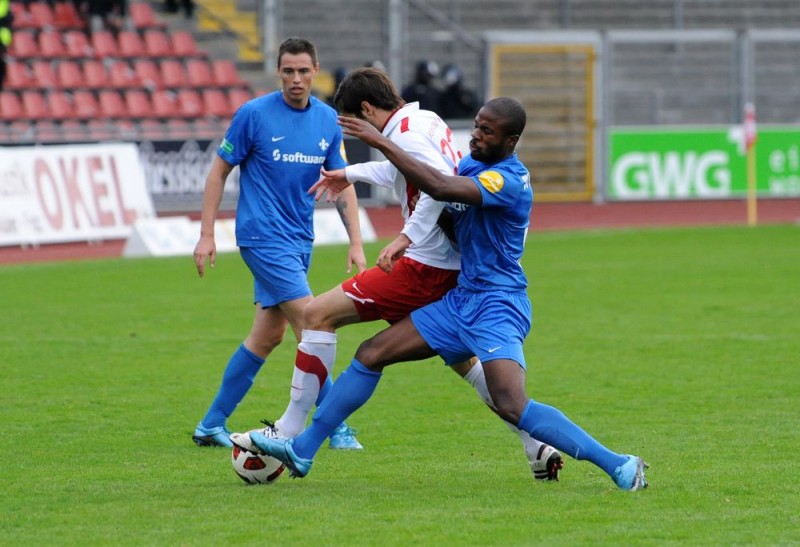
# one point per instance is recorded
(686, 162)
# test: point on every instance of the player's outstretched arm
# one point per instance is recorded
(428, 179)
(206, 248)
(347, 206)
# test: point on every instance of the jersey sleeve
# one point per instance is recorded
(499, 187)
(238, 140)
(424, 218)
(336, 154)
(379, 173)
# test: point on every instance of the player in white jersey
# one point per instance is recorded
(416, 268)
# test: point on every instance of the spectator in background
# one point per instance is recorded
(171, 6)
(6, 20)
(423, 89)
(456, 101)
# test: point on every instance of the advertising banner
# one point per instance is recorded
(54, 194)
(690, 163)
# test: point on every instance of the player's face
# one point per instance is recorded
(489, 142)
(297, 74)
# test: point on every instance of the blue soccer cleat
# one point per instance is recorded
(344, 438)
(630, 475)
(212, 436)
(282, 450)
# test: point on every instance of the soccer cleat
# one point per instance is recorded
(269, 430)
(212, 436)
(630, 475)
(282, 450)
(344, 438)
(547, 464)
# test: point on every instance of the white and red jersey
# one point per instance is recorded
(425, 136)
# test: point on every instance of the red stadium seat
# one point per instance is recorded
(199, 73)
(23, 45)
(99, 130)
(69, 75)
(104, 44)
(50, 45)
(94, 73)
(73, 130)
(152, 130)
(157, 44)
(205, 128)
(111, 105)
(18, 76)
(121, 76)
(60, 105)
(84, 105)
(183, 44)
(77, 44)
(238, 96)
(44, 75)
(127, 130)
(190, 105)
(179, 129)
(172, 74)
(130, 44)
(42, 15)
(66, 16)
(47, 131)
(225, 73)
(138, 104)
(148, 74)
(165, 104)
(11, 106)
(34, 105)
(142, 15)
(216, 103)
(23, 20)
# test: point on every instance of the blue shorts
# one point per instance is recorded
(279, 276)
(491, 325)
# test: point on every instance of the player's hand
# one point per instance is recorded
(392, 252)
(361, 129)
(332, 182)
(355, 255)
(206, 248)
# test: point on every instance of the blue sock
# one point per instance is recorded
(323, 390)
(549, 425)
(349, 392)
(236, 381)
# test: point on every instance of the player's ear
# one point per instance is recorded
(367, 110)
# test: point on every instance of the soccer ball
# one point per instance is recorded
(251, 467)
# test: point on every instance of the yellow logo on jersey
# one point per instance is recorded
(491, 180)
(342, 151)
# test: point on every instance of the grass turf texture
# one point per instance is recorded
(680, 345)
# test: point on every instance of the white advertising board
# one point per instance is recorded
(56, 194)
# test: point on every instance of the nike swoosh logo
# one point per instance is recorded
(276, 139)
(494, 349)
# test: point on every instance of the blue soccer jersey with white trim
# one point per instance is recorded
(491, 237)
(280, 151)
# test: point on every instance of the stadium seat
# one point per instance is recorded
(50, 45)
(23, 46)
(142, 16)
(151, 130)
(121, 76)
(60, 105)
(199, 73)
(206, 129)
(42, 15)
(47, 131)
(94, 74)
(84, 105)
(190, 105)
(183, 44)
(179, 129)
(172, 74)
(148, 74)
(216, 103)
(165, 104)
(104, 44)
(69, 75)
(44, 75)
(111, 105)
(23, 20)
(157, 44)
(73, 130)
(126, 130)
(238, 96)
(138, 103)
(66, 16)
(11, 106)
(130, 44)
(225, 73)
(77, 44)
(18, 76)
(99, 130)
(34, 105)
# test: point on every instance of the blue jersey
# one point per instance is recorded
(279, 151)
(491, 237)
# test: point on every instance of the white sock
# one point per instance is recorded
(477, 379)
(316, 354)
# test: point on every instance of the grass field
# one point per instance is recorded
(680, 345)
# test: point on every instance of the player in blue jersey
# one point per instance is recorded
(487, 314)
(280, 141)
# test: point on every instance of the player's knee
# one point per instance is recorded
(508, 404)
(263, 343)
(315, 316)
(368, 354)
